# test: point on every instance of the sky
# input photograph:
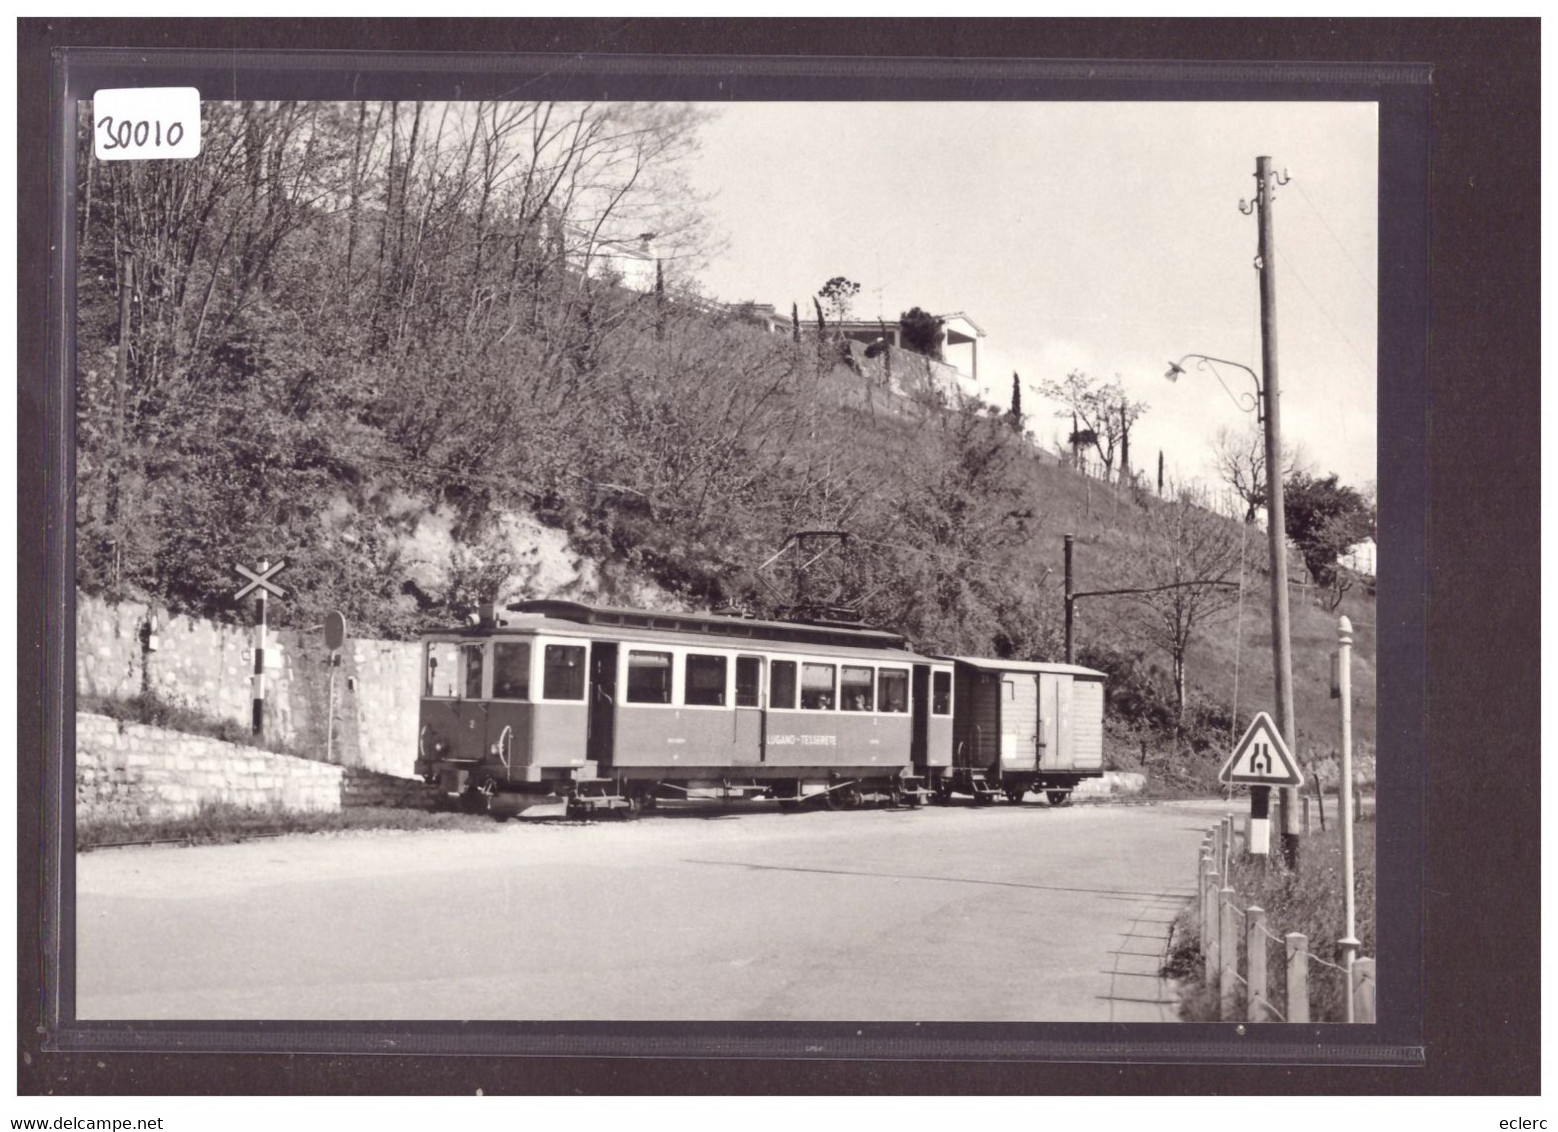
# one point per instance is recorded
(1104, 237)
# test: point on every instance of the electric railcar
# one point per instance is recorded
(613, 709)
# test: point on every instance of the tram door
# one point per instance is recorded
(603, 703)
(919, 699)
(748, 724)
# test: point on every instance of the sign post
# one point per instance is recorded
(1349, 944)
(259, 584)
(1261, 761)
(335, 636)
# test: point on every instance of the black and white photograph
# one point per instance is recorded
(776, 562)
(663, 556)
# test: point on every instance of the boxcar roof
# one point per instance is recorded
(987, 665)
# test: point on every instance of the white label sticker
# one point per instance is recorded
(146, 123)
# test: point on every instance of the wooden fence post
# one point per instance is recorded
(1228, 954)
(1210, 948)
(1307, 829)
(1255, 962)
(1363, 990)
(1298, 977)
(1202, 872)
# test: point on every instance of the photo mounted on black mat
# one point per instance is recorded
(722, 571)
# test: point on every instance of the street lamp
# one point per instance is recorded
(1265, 409)
(1250, 404)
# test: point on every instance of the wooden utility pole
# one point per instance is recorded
(1070, 602)
(1276, 528)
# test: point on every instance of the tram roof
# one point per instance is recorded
(576, 618)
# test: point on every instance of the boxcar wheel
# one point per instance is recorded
(1014, 795)
(1059, 797)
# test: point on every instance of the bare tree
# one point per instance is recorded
(1188, 572)
(1239, 456)
(1103, 411)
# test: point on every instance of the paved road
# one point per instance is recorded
(998, 914)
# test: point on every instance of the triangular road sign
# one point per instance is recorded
(1261, 758)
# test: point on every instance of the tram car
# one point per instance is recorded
(613, 709)
(1024, 726)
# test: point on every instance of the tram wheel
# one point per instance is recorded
(1014, 795)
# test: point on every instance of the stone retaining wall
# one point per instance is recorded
(207, 667)
(133, 772)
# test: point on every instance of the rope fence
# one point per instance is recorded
(1234, 943)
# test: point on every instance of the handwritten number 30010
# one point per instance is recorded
(124, 134)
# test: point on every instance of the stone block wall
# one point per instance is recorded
(365, 788)
(133, 772)
(207, 666)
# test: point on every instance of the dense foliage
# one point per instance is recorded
(341, 319)
(922, 332)
(1324, 518)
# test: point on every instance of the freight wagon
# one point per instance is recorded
(1024, 726)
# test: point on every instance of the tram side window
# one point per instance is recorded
(511, 670)
(443, 670)
(563, 678)
(855, 689)
(749, 681)
(941, 693)
(649, 677)
(817, 687)
(892, 690)
(473, 655)
(781, 684)
(705, 677)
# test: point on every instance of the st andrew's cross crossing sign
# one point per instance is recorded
(1261, 758)
(260, 580)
